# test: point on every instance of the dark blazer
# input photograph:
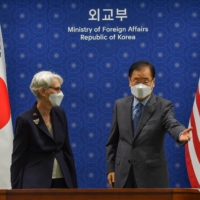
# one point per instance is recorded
(34, 150)
(144, 150)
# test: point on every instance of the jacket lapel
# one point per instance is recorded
(56, 124)
(128, 115)
(38, 120)
(146, 114)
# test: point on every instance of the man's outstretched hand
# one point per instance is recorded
(185, 135)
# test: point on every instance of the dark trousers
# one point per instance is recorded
(131, 183)
(58, 183)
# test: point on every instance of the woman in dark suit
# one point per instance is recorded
(42, 156)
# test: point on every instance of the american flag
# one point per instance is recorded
(192, 148)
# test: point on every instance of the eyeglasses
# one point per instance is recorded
(57, 89)
(145, 82)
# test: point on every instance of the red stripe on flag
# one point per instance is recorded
(4, 104)
(193, 158)
(193, 179)
(198, 99)
(195, 136)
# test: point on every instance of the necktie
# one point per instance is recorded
(137, 116)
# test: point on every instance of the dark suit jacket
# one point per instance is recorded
(144, 150)
(34, 150)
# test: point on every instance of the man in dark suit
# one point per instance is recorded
(135, 148)
(42, 156)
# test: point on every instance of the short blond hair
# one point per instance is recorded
(43, 79)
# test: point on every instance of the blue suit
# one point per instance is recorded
(34, 150)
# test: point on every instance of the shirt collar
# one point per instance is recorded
(135, 102)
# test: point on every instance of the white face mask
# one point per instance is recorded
(56, 98)
(140, 90)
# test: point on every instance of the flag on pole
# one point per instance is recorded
(192, 148)
(6, 130)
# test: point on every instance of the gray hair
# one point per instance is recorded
(43, 79)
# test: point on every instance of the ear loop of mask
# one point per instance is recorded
(47, 92)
